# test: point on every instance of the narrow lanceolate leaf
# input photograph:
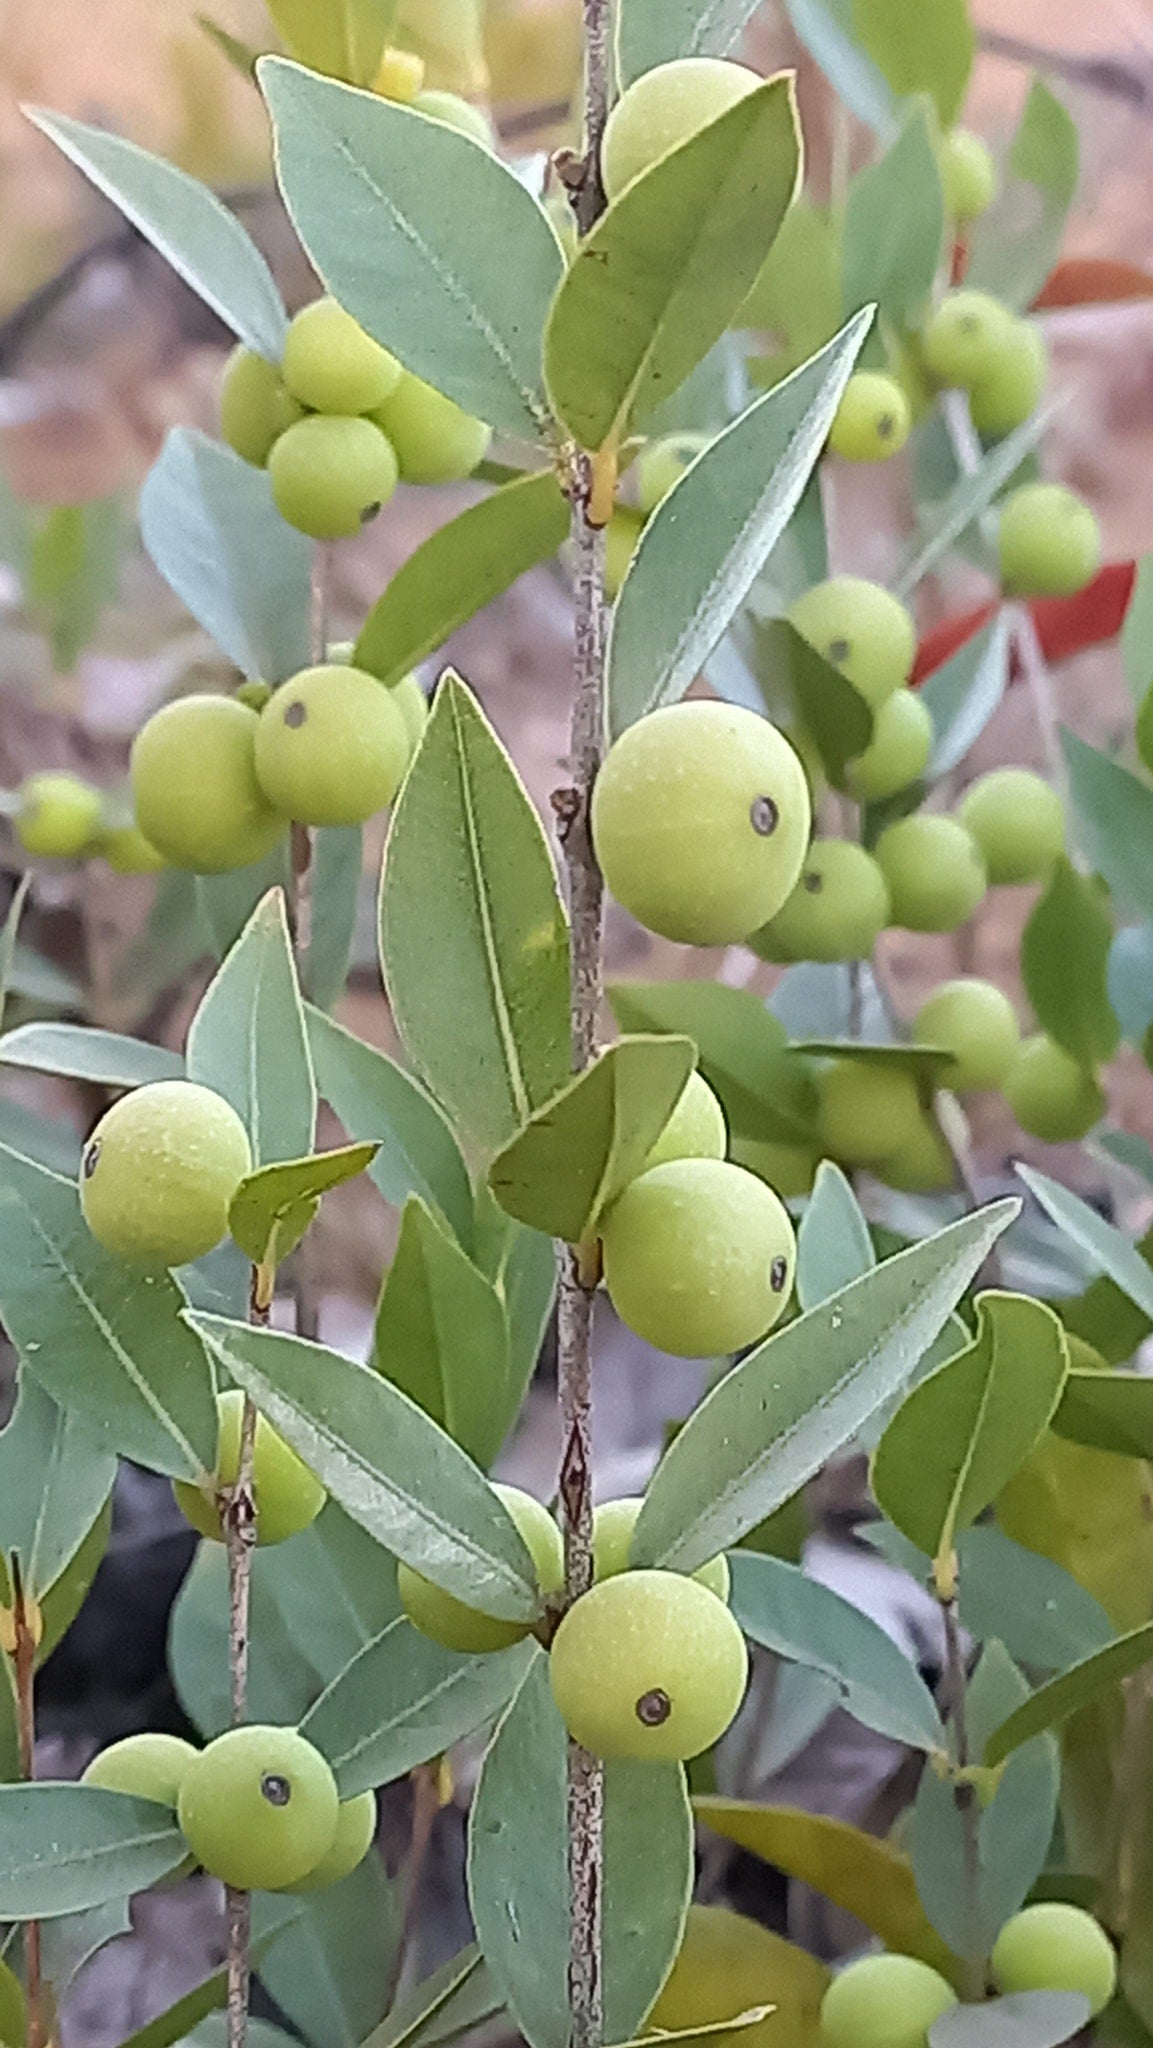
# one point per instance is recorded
(457, 1998)
(1111, 1411)
(332, 1956)
(55, 1475)
(664, 271)
(919, 52)
(459, 570)
(648, 35)
(1065, 965)
(210, 526)
(101, 1337)
(344, 38)
(337, 868)
(189, 225)
(572, 1159)
(1115, 813)
(970, 496)
(834, 1246)
(469, 882)
(825, 29)
(743, 1051)
(83, 1054)
(391, 1469)
(1053, 1704)
(709, 538)
(248, 1041)
(894, 227)
(805, 1623)
(819, 698)
(273, 1207)
(67, 1848)
(1110, 1250)
(775, 1419)
(1014, 250)
(442, 1336)
(962, 695)
(460, 292)
(962, 1433)
(9, 932)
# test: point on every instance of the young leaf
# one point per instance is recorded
(834, 1246)
(343, 39)
(273, 1207)
(664, 271)
(1109, 1249)
(894, 227)
(209, 523)
(648, 35)
(470, 883)
(775, 1419)
(1066, 1694)
(202, 240)
(743, 1052)
(337, 867)
(971, 495)
(1026, 2019)
(248, 1041)
(708, 539)
(459, 570)
(1115, 812)
(824, 702)
(442, 1335)
(225, 903)
(455, 2000)
(962, 695)
(919, 52)
(1065, 965)
(1112, 1411)
(1016, 244)
(459, 292)
(55, 1475)
(67, 1848)
(83, 1054)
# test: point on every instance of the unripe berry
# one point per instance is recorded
(459, 1627)
(935, 872)
(872, 420)
(897, 753)
(454, 112)
(256, 406)
(700, 820)
(160, 1170)
(968, 176)
(789, 1169)
(332, 366)
(662, 463)
(1050, 1095)
(1018, 821)
(331, 476)
(698, 1257)
(1048, 542)
(331, 747)
(128, 852)
(59, 815)
(258, 1808)
(861, 629)
(869, 1109)
(976, 1022)
(355, 1829)
(963, 339)
(922, 1166)
(613, 1525)
(194, 786)
(648, 1665)
(695, 1130)
(837, 911)
(1056, 1947)
(288, 1496)
(884, 2001)
(435, 441)
(665, 107)
(1010, 392)
(147, 1766)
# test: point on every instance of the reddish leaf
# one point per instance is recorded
(1093, 281)
(1065, 625)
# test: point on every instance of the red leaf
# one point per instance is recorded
(1065, 625)
(1093, 281)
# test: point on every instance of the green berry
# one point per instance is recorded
(613, 1525)
(412, 704)
(648, 1665)
(1048, 542)
(872, 420)
(1051, 1096)
(837, 911)
(884, 2002)
(695, 1130)
(454, 112)
(1010, 392)
(700, 820)
(1018, 821)
(436, 441)
(975, 1022)
(869, 1109)
(923, 1165)
(13, 2013)
(789, 1169)
(332, 366)
(1056, 1947)
(194, 786)
(355, 1830)
(698, 1257)
(665, 107)
(662, 463)
(258, 1808)
(964, 338)
(59, 815)
(331, 476)
(288, 1496)
(128, 852)
(862, 630)
(160, 1170)
(148, 1766)
(256, 406)
(935, 872)
(331, 747)
(968, 176)
(459, 1627)
(898, 752)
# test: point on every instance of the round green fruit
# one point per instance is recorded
(976, 1022)
(665, 107)
(1011, 391)
(412, 704)
(59, 815)
(160, 1170)
(1056, 1947)
(872, 420)
(148, 1766)
(288, 1496)
(698, 1257)
(700, 820)
(935, 872)
(789, 1169)
(436, 441)
(355, 1831)
(332, 366)
(963, 340)
(898, 752)
(613, 1525)
(1018, 821)
(1050, 1095)
(256, 406)
(696, 1128)
(661, 464)
(258, 1808)
(454, 112)
(861, 629)
(884, 2002)
(869, 1109)
(922, 1166)
(727, 1965)
(648, 1665)
(837, 911)
(331, 747)
(1048, 542)
(330, 477)
(460, 1627)
(128, 852)
(194, 786)
(968, 176)
(13, 2013)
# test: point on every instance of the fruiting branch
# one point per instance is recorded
(964, 1792)
(26, 1637)
(239, 1519)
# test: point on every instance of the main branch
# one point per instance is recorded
(26, 1636)
(238, 1512)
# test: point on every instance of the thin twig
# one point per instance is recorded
(238, 1513)
(305, 1294)
(965, 1797)
(24, 1660)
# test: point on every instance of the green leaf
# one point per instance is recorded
(389, 1466)
(404, 1699)
(457, 1998)
(797, 294)
(1110, 1250)
(337, 866)
(175, 2025)
(1137, 634)
(894, 228)
(572, 1158)
(648, 35)
(66, 1848)
(1112, 1411)
(830, 710)
(86, 546)
(442, 1335)
(83, 1054)
(805, 1623)
(1130, 989)
(927, 1064)
(742, 1050)
(1065, 965)
(1115, 812)
(704, 546)
(962, 695)
(375, 1099)
(454, 574)
(919, 51)
(63, 1601)
(825, 27)
(1025, 2019)
(273, 1207)
(240, 55)
(834, 1247)
(342, 38)
(1033, 1606)
(661, 275)
(202, 240)
(225, 903)
(331, 1962)
(209, 523)
(961, 1434)
(469, 882)
(972, 494)
(1067, 1694)
(1016, 243)
(55, 1476)
(459, 293)
(8, 941)
(248, 1041)
(776, 1418)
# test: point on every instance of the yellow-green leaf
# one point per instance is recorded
(272, 1208)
